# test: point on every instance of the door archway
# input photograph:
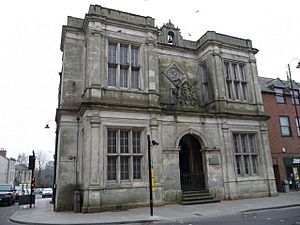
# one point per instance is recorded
(192, 177)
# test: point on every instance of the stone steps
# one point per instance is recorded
(197, 197)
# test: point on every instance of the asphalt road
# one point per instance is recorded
(286, 216)
(6, 212)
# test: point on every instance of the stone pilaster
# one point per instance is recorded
(267, 160)
(229, 176)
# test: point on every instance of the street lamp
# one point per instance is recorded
(47, 124)
(293, 93)
(55, 161)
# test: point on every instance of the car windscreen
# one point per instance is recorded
(5, 188)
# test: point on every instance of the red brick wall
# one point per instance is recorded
(277, 141)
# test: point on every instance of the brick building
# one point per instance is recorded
(123, 79)
(284, 133)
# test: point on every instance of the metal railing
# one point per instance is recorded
(192, 182)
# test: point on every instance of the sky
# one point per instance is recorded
(30, 56)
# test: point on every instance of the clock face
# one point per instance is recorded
(174, 74)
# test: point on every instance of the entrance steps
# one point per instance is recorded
(197, 197)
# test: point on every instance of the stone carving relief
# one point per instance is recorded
(183, 92)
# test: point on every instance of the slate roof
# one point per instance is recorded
(267, 84)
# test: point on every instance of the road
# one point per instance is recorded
(7, 211)
(286, 216)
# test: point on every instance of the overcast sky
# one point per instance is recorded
(31, 58)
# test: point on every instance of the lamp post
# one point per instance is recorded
(293, 92)
(55, 162)
(150, 172)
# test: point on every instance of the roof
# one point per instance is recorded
(21, 167)
(268, 84)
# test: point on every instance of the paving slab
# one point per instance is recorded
(43, 212)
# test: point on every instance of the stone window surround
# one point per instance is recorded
(133, 83)
(241, 154)
(141, 155)
(236, 80)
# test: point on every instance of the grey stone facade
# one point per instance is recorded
(177, 91)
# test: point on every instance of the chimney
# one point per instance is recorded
(3, 152)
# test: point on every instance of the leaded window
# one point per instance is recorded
(245, 153)
(123, 66)
(236, 81)
(205, 84)
(124, 155)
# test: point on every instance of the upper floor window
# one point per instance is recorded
(123, 65)
(279, 95)
(245, 152)
(285, 126)
(295, 94)
(205, 84)
(236, 81)
(170, 38)
(297, 120)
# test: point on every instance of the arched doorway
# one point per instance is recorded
(191, 166)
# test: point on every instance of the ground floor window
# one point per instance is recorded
(245, 153)
(124, 155)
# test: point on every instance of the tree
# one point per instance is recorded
(22, 159)
(41, 159)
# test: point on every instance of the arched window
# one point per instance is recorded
(170, 38)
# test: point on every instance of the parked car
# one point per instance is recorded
(19, 191)
(7, 194)
(47, 193)
(38, 190)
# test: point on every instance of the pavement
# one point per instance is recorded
(43, 213)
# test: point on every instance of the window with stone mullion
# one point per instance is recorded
(123, 65)
(245, 152)
(124, 155)
(236, 81)
(134, 55)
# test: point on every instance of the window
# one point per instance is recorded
(296, 96)
(170, 38)
(205, 86)
(123, 66)
(285, 126)
(236, 81)
(124, 155)
(245, 152)
(297, 125)
(279, 95)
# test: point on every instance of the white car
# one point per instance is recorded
(47, 193)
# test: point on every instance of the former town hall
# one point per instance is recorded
(122, 79)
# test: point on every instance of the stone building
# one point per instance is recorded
(123, 79)
(23, 176)
(284, 132)
(7, 168)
